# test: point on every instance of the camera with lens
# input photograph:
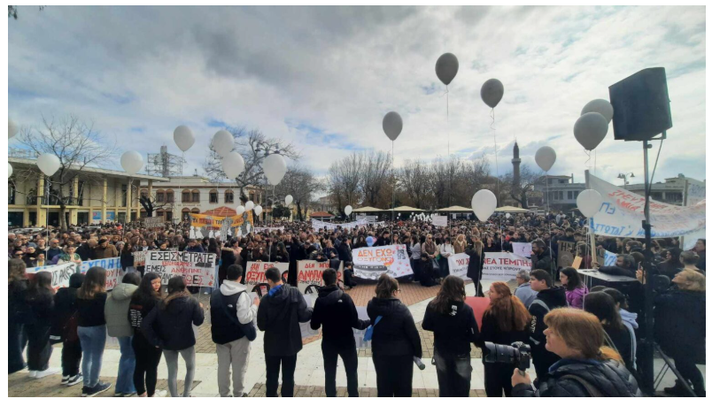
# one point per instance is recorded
(517, 354)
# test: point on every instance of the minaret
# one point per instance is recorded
(516, 166)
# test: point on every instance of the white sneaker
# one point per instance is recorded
(47, 373)
(33, 374)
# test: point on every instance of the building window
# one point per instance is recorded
(81, 192)
(213, 197)
(229, 197)
(186, 196)
(11, 193)
(562, 195)
(186, 214)
(124, 190)
(170, 197)
(160, 196)
(196, 196)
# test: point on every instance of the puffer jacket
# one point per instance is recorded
(608, 378)
(169, 324)
(395, 334)
(117, 306)
(575, 297)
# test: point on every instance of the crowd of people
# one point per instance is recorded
(581, 338)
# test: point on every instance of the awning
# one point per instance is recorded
(406, 209)
(510, 209)
(455, 209)
(368, 210)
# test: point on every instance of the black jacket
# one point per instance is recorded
(18, 311)
(65, 307)
(454, 331)
(41, 305)
(475, 266)
(335, 311)
(279, 316)
(345, 253)
(85, 252)
(680, 318)
(610, 378)
(91, 312)
(543, 261)
(553, 298)
(170, 326)
(491, 332)
(395, 334)
(139, 309)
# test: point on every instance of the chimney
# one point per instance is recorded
(572, 178)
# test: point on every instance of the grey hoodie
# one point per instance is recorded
(117, 307)
(629, 319)
(246, 311)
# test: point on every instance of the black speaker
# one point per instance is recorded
(641, 105)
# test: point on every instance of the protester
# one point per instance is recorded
(335, 312)
(147, 356)
(279, 315)
(232, 313)
(65, 328)
(446, 250)
(169, 326)
(700, 250)
(540, 258)
(624, 266)
(91, 299)
(505, 321)
(618, 336)
(548, 298)
(39, 300)
(689, 260)
(629, 319)
(117, 307)
(476, 263)
(105, 250)
(586, 368)
(349, 276)
(395, 340)
(575, 289)
(18, 313)
(524, 292)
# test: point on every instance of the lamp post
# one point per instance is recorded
(625, 178)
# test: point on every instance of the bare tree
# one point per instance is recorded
(76, 144)
(414, 179)
(528, 181)
(376, 173)
(301, 184)
(254, 146)
(345, 179)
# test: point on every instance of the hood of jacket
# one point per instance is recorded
(553, 297)
(230, 287)
(384, 307)
(609, 377)
(279, 295)
(178, 304)
(123, 291)
(329, 290)
(629, 317)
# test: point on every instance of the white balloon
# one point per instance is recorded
(348, 210)
(545, 158)
(233, 164)
(48, 164)
(484, 204)
(183, 138)
(590, 129)
(589, 202)
(12, 128)
(288, 200)
(507, 215)
(10, 170)
(600, 106)
(249, 206)
(223, 142)
(258, 210)
(239, 210)
(131, 162)
(392, 125)
(274, 168)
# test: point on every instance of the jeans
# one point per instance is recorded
(147, 359)
(498, 378)
(272, 367)
(39, 349)
(92, 340)
(171, 358)
(126, 367)
(71, 356)
(454, 372)
(235, 354)
(350, 360)
(394, 375)
(15, 346)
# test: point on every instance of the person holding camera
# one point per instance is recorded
(505, 321)
(548, 298)
(454, 327)
(587, 368)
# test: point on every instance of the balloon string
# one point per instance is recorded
(589, 154)
(596, 162)
(497, 171)
(447, 118)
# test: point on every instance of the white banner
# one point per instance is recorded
(522, 249)
(372, 262)
(113, 270)
(458, 264)
(197, 268)
(317, 225)
(270, 229)
(695, 194)
(154, 222)
(609, 259)
(60, 273)
(439, 221)
(504, 266)
(255, 271)
(622, 212)
(309, 272)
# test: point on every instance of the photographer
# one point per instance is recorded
(587, 368)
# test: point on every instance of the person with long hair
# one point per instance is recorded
(618, 335)
(91, 299)
(39, 300)
(671, 264)
(169, 326)
(505, 321)
(460, 244)
(475, 267)
(117, 307)
(575, 289)
(395, 340)
(147, 356)
(454, 326)
(17, 313)
(587, 367)
(65, 330)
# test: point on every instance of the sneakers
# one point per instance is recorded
(93, 391)
(65, 380)
(125, 394)
(74, 380)
(46, 373)
(33, 374)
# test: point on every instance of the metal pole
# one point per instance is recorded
(645, 364)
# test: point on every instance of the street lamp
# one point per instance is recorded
(625, 178)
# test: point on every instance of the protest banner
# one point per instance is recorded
(139, 258)
(60, 273)
(458, 264)
(305, 330)
(609, 259)
(255, 271)
(504, 266)
(197, 268)
(269, 229)
(309, 272)
(622, 212)
(317, 225)
(577, 262)
(359, 334)
(154, 222)
(440, 221)
(113, 270)
(522, 249)
(566, 253)
(203, 225)
(372, 262)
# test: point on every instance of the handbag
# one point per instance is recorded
(370, 329)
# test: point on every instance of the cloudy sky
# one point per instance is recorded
(323, 77)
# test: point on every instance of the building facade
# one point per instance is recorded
(678, 190)
(561, 191)
(91, 196)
